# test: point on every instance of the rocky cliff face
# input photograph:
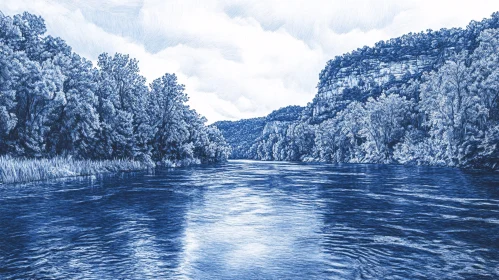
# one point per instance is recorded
(390, 66)
(367, 76)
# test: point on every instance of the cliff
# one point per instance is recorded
(389, 65)
(356, 88)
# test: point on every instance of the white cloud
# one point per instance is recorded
(241, 58)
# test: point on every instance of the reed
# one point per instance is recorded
(21, 170)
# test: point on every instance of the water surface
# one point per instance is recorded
(255, 220)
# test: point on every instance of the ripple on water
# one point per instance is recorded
(255, 220)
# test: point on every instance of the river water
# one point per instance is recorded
(255, 220)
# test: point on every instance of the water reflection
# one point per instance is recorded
(255, 220)
(243, 230)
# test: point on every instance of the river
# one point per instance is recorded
(255, 220)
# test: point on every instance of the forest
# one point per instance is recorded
(56, 104)
(429, 98)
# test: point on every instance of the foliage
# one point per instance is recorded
(241, 135)
(428, 98)
(55, 103)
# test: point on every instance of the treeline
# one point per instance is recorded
(55, 103)
(241, 135)
(446, 115)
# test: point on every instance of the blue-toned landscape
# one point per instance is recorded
(217, 159)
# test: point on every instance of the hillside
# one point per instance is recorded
(422, 98)
(241, 135)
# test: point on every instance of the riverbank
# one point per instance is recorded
(21, 170)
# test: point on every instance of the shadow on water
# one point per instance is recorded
(255, 220)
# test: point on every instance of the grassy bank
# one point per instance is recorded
(19, 170)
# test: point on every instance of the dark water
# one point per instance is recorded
(255, 220)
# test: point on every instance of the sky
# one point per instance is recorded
(240, 58)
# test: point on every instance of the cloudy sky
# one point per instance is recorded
(241, 58)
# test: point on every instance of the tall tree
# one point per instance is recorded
(167, 105)
(387, 118)
(453, 112)
(9, 75)
(122, 106)
(77, 122)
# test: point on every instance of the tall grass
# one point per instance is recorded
(20, 170)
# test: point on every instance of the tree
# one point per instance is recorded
(123, 99)
(53, 102)
(38, 94)
(77, 122)
(485, 71)
(167, 105)
(386, 120)
(27, 34)
(9, 68)
(339, 139)
(453, 112)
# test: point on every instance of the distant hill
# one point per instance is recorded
(241, 135)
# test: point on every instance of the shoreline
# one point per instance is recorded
(25, 170)
(22, 170)
(494, 168)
